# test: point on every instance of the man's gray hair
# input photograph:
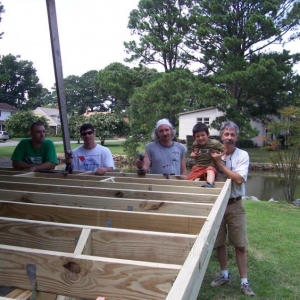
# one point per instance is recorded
(229, 125)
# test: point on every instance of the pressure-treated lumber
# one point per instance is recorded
(108, 192)
(170, 248)
(86, 276)
(138, 205)
(110, 185)
(192, 273)
(103, 217)
(120, 237)
(118, 177)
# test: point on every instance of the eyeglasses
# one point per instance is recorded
(87, 132)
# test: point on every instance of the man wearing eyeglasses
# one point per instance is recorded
(234, 164)
(92, 157)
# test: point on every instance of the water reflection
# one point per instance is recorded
(262, 185)
(266, 186)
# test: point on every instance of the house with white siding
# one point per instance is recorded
(52, 116)
(6, 111)
(188, 119)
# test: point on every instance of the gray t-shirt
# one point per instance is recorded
(165, 159)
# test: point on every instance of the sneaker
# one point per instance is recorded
(246, 289)
(207, 185)
(220, 280)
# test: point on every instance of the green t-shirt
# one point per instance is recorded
(26, 153)
(204, 156)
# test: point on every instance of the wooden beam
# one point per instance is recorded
(118, 177)
(19, 294)
(107, 192)
(110, 185)
(170, 248)
(86, 276)
(188, 282)
(103, 218)
(10, 171)
(138, 205)
(34, 235)
(84, 245)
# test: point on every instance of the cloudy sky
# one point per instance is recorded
(91, 34)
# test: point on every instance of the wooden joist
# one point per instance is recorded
(103, 217)
(160, 247)
(108, 192)
(119, 236)
(127, 204)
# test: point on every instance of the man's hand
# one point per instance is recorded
(216, 155)
(32, 169)
(141, 171)
(100, 171)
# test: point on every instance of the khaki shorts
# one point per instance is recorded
(233, 224)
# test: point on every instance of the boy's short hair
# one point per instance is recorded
(200, 127)
(86, 126)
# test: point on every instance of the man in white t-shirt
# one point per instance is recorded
(92, 157)
(234, 164)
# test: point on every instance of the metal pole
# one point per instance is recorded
(57, 61)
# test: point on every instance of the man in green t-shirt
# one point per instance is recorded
(35, 153)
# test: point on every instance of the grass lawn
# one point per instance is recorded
(257, 155)
(273, 255)
(115, 148)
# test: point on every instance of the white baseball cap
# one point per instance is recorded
(163, 122)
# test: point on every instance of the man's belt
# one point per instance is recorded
(234, 200)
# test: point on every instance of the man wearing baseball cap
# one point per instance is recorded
(163, 155)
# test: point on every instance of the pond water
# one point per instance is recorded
(266, 186)
(261, 185)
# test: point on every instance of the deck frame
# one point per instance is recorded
(77, 230)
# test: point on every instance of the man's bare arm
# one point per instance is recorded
(20, 165)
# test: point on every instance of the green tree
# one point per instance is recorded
(18, 81)
(116, 84)
(164, 97)
(74, 123)
(162, 26)
(45, 99)
(19, 123)
(81, 93)
(108, 125)
(233, 40)
(285, 156)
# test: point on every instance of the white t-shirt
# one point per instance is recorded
(90, 160)
(238, 162)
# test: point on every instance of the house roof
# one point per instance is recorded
(7, 107)
(89, 113)
(51, 113)
(196, 110)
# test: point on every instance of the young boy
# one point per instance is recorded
(205, 168)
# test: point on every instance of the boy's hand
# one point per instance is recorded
(194, 153)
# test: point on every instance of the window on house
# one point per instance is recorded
(203, 120)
